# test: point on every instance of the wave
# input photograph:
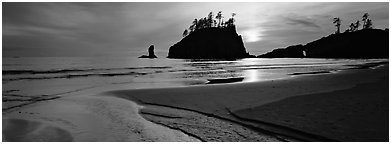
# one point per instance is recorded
(185, 70)
(69, 76)
(368, 65)
(56, 71)
(308, 73)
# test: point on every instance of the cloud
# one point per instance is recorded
(301, 21)
(88, 27)
(48, 29)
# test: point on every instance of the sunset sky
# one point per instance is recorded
(122, 29)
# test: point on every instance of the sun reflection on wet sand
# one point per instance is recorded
(251, 75)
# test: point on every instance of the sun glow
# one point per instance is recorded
(251, 35)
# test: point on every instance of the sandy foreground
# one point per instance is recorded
(350, 105)
(85, 118)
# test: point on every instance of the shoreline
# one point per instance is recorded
(223, 104)
(209, 99)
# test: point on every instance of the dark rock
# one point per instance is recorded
(151, 53)
(295, 51)
(225, 80)
(369, 43)
(210, 43)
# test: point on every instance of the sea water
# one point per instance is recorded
(46, 75)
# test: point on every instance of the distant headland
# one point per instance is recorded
(353, 43)
(367, 43)
(210, 38)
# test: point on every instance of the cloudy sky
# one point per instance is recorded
(122, 29)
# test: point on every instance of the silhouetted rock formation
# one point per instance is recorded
(151, 53)
(368, 43)
(210, 43)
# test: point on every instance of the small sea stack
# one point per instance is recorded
(151, 53)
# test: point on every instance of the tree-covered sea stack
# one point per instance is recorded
(210, 38)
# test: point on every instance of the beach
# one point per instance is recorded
(84, 119)
(350, 105)
(195, 72)
(344, 105)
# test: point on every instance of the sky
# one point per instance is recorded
(124, 29)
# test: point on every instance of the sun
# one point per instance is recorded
(251, 35)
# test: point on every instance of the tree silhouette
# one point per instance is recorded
(367, 23)
(205, 23)
(337, 22)
(202, 23)
(185, 33)
(210, 19)
(198, 25)
(209, 22)
(364, 19)
(219, 16)
(192, 27)
(230, 21)
(352, 27)
(356, 25)
(233, 14)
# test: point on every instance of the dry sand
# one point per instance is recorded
(338, 98)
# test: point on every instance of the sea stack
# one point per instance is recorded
(209, 38)
(151, 53)
(210, 43)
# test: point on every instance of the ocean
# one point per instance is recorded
(64, 76)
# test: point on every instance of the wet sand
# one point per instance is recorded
(337, 98)
(203, 127)
(355, 114)
(27, 131)
(95, 118)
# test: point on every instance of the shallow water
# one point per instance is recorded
(26, 79)
(161, 72)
